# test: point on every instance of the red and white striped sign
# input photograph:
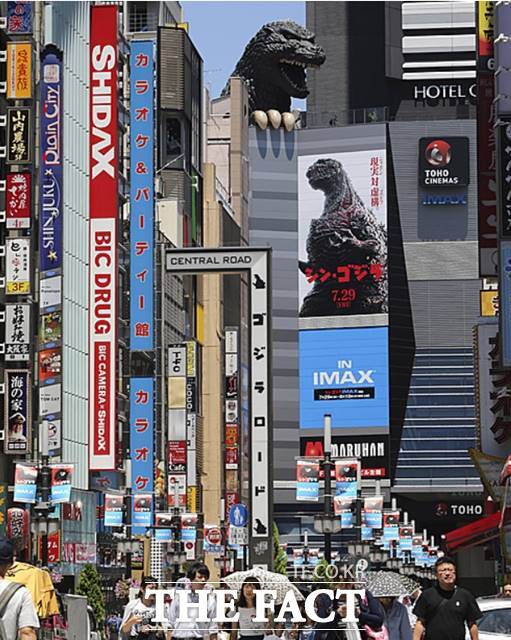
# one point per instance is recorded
(103, 212)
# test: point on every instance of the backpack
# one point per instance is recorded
(5, 598)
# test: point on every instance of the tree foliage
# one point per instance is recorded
(90, 586)
(279, 555)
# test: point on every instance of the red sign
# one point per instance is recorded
(213, 535)
(177, 455)
(18, 525)
(53, 547)
(50, 364)
(17, 200)
(103, 212)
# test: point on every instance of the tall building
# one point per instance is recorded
(397, 91)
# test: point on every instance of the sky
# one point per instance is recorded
(221, 30)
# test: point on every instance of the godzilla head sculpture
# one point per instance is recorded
(274, 67)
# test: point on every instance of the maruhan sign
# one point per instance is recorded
(213, 260)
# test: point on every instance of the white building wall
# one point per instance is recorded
(66, 24)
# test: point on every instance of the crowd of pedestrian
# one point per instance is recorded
(442, 612)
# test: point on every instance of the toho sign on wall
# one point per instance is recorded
(103, 212)
(443, 162)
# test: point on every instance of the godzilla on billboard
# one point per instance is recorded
(342, 234)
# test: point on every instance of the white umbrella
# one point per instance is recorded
(388, 584)
(269, 580)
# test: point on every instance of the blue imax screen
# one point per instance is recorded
(344, 372)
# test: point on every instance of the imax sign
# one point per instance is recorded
(428, 199)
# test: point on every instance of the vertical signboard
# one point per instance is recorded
(17, 332)
(19, 135)
(19, 70)
(191, 424)
(50, 172)
(17, 266)
(177, 424)
(18, 403)
(232, 417)
(505, 303)
(18, 200)
(142, 448)
(50, 240)
(486, 147)
(142, 195)
(19, 17)
(103, 212)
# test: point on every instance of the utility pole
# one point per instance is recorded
(327, 467)
(43, 507)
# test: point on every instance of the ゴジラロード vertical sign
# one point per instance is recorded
(103, 211)
(142, 195)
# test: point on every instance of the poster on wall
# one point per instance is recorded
(344, 372)
(342, 234)
(17, 419)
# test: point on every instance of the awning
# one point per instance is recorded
(479, 532)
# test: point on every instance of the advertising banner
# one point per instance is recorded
(50, 365)
(232, 417)
(141, 444)
(103, 213)
(347, 478)
(344, 372)
(372, 513)
(18, 414)
(19, 135)
(113, 510)
(504, 179)
(19, 17)
(19, 70)
(50, 293)
(142, 510)
(191, 413)
(372, 451)
(17, 332)
(489, 303)
(51, 166)
(486, 146)
(177, 456)
(25, 483)
(177, 490)
(307, 480)
(50, 328)
(142, 195)
(342, 234)
(50, 400)
(61, 477)
(443, 162)
(18, 200)
(17, 266)
(505, 303)
(391, 525)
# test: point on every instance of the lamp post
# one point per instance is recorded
(327, 466)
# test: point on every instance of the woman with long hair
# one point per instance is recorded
(245, 627)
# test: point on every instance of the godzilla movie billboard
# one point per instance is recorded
(342, 235)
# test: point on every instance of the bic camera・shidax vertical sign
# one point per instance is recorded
(257, 263)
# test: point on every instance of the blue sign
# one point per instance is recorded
(163, 535)
(25, 483)
(366, 533)
(238, 515)
(50, 171)
(141, 448)
(344, 372)
(19, 17)
(505, 301)
(142, 195)
(307, 491)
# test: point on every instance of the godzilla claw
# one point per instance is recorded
(288, 120)
(260, 119)
(275, 118)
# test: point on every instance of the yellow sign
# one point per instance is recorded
(191, 499)
(19, 70)
(485, 28)
(191, 359)
(489, 303)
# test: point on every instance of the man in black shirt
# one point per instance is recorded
(443, 610)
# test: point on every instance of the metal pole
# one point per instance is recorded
(45, 491)
(327, 466)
